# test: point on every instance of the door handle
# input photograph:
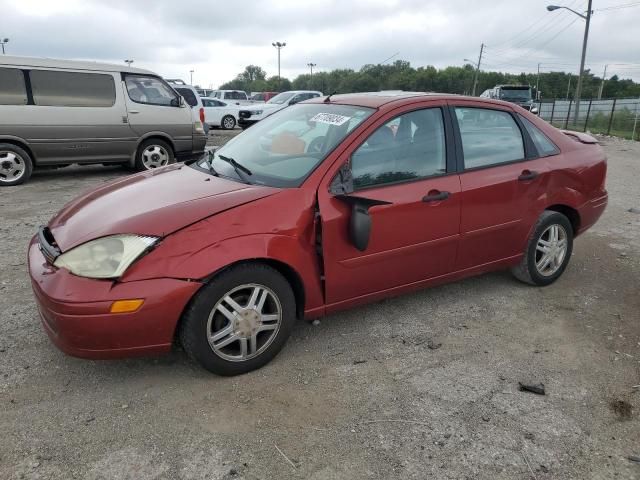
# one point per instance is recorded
(435, 196)
(134, 111)
(528, 175)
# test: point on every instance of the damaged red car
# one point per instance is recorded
(329, 204)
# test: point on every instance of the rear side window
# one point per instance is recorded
(12, 88)
(72, 89)
(188, 96)
(544, 146)
(489, 137)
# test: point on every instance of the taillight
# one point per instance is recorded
(202, 114)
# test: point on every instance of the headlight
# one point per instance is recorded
(257, 112)
(534, 109)
(106, 257)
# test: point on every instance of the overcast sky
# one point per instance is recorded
(217, 39)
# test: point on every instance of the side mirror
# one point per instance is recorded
(360, 222)
(178, 101)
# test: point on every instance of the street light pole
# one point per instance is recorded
(587, 18)
(3, 42)
(191, 78)
(279, 46)
(128, 62)
(311, 65)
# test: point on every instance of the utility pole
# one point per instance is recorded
(191, 77)
(475, 77)
(604, 75)
(279, 46)
(538, 80)
(568, 88)
(3, 42)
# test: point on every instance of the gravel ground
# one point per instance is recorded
(421, 386)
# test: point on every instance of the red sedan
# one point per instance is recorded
(329, 204)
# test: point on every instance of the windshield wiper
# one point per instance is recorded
(239, 168)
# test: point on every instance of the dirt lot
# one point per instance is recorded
(422, 386)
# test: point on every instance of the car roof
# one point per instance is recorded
(378, 99)
(6, 60)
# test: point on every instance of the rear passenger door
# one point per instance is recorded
(75, 117)
(501, 180)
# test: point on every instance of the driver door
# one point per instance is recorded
(403, 161)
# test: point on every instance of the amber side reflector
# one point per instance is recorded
(125, 306)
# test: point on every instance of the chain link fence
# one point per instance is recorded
(619, 117)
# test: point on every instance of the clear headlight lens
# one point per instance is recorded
(106, 257)
(257, 112)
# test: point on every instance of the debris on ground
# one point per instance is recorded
(621, 408)
(537, 388)
(634, 458)
(358, 362)
(315, 323)
(634, 210)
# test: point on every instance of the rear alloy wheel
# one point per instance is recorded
(548, 250)
(228, 122)
(239, 321)
(153, 154)
(15, 165)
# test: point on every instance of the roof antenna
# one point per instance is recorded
(328, 99)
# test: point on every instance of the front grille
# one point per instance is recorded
(244, 113)
(48, 245)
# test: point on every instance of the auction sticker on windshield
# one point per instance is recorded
(330, 118)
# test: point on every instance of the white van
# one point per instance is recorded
(58, 112)
(238, 97)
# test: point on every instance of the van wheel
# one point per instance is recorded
(548, 250)
(228, 122)
(16, 165)
(239, 321)
(154, 153)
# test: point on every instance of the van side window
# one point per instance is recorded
(188, 96)
(72, 89)
(12, 88)
(150, 90)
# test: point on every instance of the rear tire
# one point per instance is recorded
(228, 122)
(16, 165)
(548, 250)
(240, 321)
(154, 153)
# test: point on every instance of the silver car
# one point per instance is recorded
(59, 112)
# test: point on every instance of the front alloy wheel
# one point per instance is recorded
(240, 320)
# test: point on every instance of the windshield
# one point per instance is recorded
(284, 148)
(521, 94)
(281, 97)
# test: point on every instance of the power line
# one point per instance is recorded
(618, 7)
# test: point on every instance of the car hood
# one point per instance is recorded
(157, 203)
(265, 107)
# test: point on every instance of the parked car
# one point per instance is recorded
(328, 204)
(191, 96)
(220, 114)
(204, 92)
(261, 97)
(253, 114)
(232, 96)
(58, 112)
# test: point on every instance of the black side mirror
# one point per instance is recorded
(360, 223)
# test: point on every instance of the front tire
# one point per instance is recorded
(548, 250)
(240, 321)
(16, 165)
(153, 153)
(228, 122)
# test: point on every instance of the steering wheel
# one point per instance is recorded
(316, 145)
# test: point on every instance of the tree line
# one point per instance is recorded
(400, 75)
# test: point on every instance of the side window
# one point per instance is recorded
(206, 102)
(12, 88)
(544, 146)
(408, 147)
(217, 103)
(150, 90)
(188, 95)
(228, 95)
(72, 89)
(489, 137)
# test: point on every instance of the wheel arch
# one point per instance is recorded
(571, 213)
(23, 144)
